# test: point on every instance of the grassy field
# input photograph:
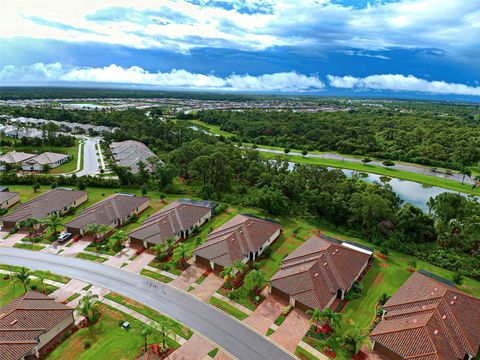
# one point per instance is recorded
(380, 170)
(222, 305)
(106, 337)
(176, 327)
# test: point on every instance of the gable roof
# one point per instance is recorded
(44, 204)
(428, 317)
(178, 216)
(314, 272)
(108, 210)
(235, 239)
(45, 158)
(15, 157)
(24, 319)
(130, 152)
(6, 195)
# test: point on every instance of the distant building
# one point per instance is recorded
(31, 324)
(176, 220)
(47, 158)
(14, 158)
(244, 238)
(427, 319)
(129, 153)
(8, 199)
(114, 211)
(57, 201)
(318, 272)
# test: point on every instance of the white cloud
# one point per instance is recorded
(396, 82)
(180, 25)
(180, 79)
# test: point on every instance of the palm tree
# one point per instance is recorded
(158, 250)
(239, 267)
(28, 224)
(182, 252)
(12, 279)
(168, 244)
(117, 239)
(315, 316)
(23, 276)
(53, 222)
(165, 330)
(226, 273)
(255, 281)
(87, 305)
(96, 229)
(331, 318)
(354, 339)
(145, 332)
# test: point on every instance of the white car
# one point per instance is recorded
(64, 237)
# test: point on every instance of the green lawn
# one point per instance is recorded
(91, 257)
(176, 327)
(156, 276)
(10, 290)
(380, 170)
(106, 337)
(29, 246)
(228, 308)
(50, 276)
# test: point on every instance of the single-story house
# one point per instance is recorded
(59, 200)
(176, 220)
(31, 325)
(47, 158)
(129, 153)
(14, 158)
(243, 237)
(8, 199)
(318, 272)
(114, 211)
(428, 319)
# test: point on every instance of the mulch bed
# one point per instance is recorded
(381, 256)
(410, 270)
(360, 356)
(156, 350)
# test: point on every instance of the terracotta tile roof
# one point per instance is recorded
(108, 210)
(314, 272)
(45, 204)
(235, 239)
(426, 317)
(167, 222)
(24, 319)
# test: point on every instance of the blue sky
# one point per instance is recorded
(406, 47)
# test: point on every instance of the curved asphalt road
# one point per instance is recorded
(232, 335)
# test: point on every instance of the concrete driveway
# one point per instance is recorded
(75, 249)
(208, 287)
(266, 313)
(196, 348)
(230, 334)
(74, 286)
(12, 240)
(292, 330)
(187, 277)
(120, 258)
(139, 262)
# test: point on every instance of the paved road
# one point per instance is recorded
(232, 335)
(90, 162)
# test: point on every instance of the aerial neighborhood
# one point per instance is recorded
(193, 242)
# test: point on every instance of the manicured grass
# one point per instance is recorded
(91, 257)
(86, 288)
(213, 353)
(106, 338)
(105, 250)
(50, 276)
(29, 246)
(176, 327)
(279, 320)
(228, 308)
(73, 297)
(200, 279)
(304, 354)
(10, 289)
(155, 276)
(269, 332)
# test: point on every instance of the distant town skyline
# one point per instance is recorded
(405, 47)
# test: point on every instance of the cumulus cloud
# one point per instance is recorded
(397, 82)
(180, 79)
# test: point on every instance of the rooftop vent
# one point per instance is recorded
(444, 317)
(324, 264)
(436, 332)
(316, 274)
(423, 307)
(13, 322)
(455, 297)
(452, 302)
(432, 293)
(415, 321)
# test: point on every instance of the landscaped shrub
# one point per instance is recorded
(383, 299)
(268, 251)
(166, 267)
(162, 256)
(87, 344)
(357, 287)
(287, 310)
(379, 311)
(12, 231)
